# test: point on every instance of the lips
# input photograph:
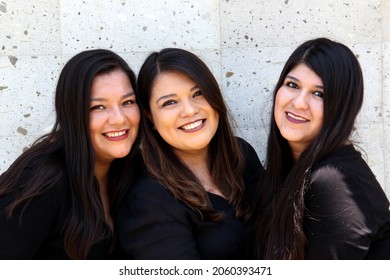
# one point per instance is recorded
(295, 118)
(192, 126)
(116, 135)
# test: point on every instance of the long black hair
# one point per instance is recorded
(282, 229)
(227, 160)
(65, 156)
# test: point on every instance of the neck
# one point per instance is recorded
(296, 150)
(101, 174)
(194, 160)
(198, 163)
(295, 155)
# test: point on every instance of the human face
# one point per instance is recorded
(181, 114)
(114, 116)
(299, 108)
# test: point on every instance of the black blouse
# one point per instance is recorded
(154, 225)
(347, 212)
(38, 233)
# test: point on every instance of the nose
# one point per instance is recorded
(301, 101)
(117, 116)
(189, 108)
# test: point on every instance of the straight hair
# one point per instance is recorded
(285, 180)
(65, 157)
(225, 156)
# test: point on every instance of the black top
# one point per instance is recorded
(154, 225)
(348, 214)
(38, 234)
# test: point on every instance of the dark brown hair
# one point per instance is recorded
(283, 237)
(65, 157)
(225, 156)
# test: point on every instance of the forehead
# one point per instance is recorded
(171, 75)
(172, 82)
(116, 74)
(106, 82)
(304, 73)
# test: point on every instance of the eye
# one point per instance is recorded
(129, 102)
(97, 107)
(318, 93)
(168, 103)
(198, 93)
(291, 84)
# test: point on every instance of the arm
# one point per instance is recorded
(338, 220)
(22, 237)
(153, 225)
(253, 170)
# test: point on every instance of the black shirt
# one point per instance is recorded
(38, 233)
(154, 225)
(347, 214)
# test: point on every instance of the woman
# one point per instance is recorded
(58, 200)
(192, 200)
(327, 203)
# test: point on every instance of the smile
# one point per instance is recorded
(193, 125)
(115, 134)
(293, 117)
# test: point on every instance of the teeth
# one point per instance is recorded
(296, 117)
(115, 134)
(192, 125)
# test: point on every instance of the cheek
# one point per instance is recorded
(134, 117)
(217, 117)
(281, 98)
(278, 107)
(165, 124)
(318, 110)
(213, 113)
(94, 128)
(161, 120)
(95, 123)
(161, 125)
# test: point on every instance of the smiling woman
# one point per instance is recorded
(59, 199)
(114, 116)
(184, 118)
(299, 108)
(191, 202)
(318, 198)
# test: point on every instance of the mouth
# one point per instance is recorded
(295, 118)
(193, 125)
(115, 134)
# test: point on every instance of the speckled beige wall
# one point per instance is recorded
(245, 42)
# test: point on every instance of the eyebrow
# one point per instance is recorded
(295, 79)
(122, 97)
(173, 94)
(166, 97)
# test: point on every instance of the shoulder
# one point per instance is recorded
(150, 203)
(148, 193)
(343, 180)
(35, 202)
(152, 224)
(344, 165)
(245, 147)
(253, 169)
(251, 159)
(34, 171)
(144, 185)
